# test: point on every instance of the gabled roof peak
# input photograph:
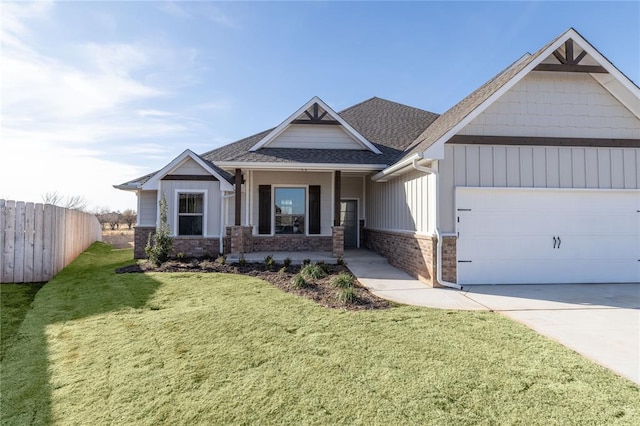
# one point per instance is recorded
(315, 112)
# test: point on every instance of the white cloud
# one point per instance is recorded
(63, 122)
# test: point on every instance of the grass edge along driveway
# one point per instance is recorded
(189, 348)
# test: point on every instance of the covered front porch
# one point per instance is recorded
(327, 212)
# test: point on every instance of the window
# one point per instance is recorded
(290, 210)
(190, 213)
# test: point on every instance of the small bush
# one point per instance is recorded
(221, 260)
(298, 281)
(158, 251)
(347, 295)
(313, 271)
(323, 266)
(180, 256)
(343, 280)
(269, 262)
(242, 261)
(306, 261)
(340, 261)
(287, 262)
(282, 270)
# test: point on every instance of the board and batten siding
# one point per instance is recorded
(171, 187)
(403, 203)
(351, 189)
(147, 208)
(533, 167)
(314, 137)
(556, 104)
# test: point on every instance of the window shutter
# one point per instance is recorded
(264, 209)
(314, 209)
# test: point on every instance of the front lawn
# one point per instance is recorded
(208, 348)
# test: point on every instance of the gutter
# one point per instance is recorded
(390, 171)
(434, 172)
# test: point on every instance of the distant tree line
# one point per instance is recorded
(113, 219)
(106, 217)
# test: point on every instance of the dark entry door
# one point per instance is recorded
(349, 219)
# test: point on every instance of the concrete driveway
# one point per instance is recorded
(599, 321)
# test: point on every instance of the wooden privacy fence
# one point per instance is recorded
(38, 240)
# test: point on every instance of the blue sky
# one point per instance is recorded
(98, 93)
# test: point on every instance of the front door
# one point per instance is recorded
(349, 219)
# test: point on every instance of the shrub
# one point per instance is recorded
(347, 295)
(180, 256)
(287, 262)
(323, 266)
(221, 260)
(159, 251)
(343, 280)
(298, 281)
(242, 261)
(269, 262)
(282, 270)
(313, 271)
(306, 261)
(340, 261)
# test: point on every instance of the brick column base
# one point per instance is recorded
(338, 241)
(241, 239)
(140, 238)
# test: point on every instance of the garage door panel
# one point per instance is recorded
(516, 235)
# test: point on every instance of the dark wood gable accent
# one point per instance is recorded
(314, 209)
(190, 177)
(569, 63)
(264, 209)
(316, 117)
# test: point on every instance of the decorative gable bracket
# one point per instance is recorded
(569, 63)
(316, 117)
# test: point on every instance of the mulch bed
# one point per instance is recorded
(321, 290)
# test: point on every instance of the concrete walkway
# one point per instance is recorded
(599, 321)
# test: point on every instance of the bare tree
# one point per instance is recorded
(114, 219)
(102, 214)
(129, 217)
(74, 202)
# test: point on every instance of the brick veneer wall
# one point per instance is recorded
(189, 246)
(449, 259)
(196, 246)
(291, 243)
(140, 238)
(414, 254)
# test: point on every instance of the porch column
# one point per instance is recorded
(337, 196)
(238, 182)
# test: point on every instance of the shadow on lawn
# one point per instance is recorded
(87, 287)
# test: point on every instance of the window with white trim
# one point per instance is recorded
(190, 213)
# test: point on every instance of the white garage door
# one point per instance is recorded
(539, 236)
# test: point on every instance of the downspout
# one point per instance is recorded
(223, 202)
(438, 235)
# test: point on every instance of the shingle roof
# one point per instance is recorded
(458, 112)
(390, 126)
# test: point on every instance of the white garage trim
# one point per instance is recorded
(546, 236)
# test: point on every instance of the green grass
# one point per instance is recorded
(15, 300)
(193, 348)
